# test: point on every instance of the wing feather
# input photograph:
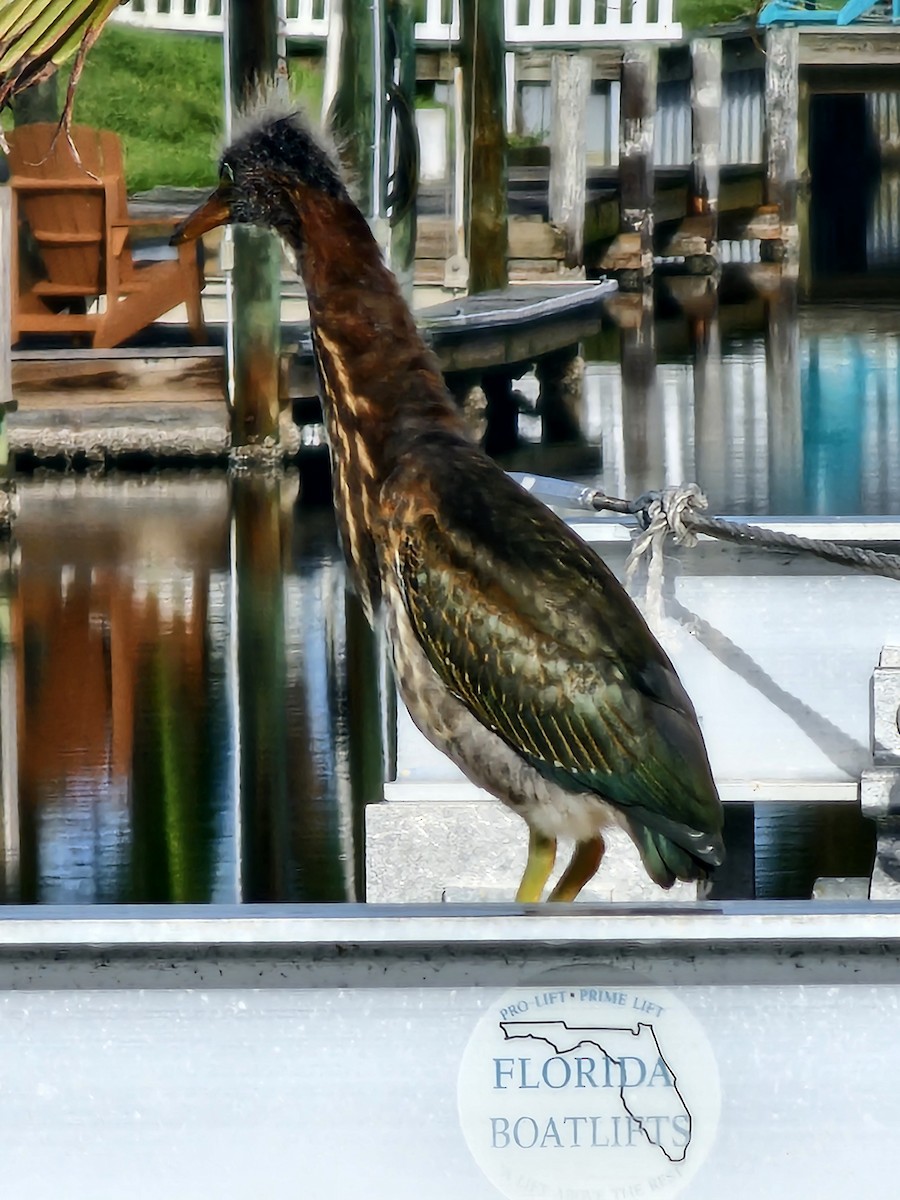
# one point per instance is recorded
(533, 633)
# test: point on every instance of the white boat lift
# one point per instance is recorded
(394, 1053)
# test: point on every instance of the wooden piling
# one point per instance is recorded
(706, 125)
(359, 101)
(255, 328)
(570, 87)
(482, 57)
(561, 379)
(782, 100)
(636, 168)
(501, 434)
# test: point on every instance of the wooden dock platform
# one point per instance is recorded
(168, 402)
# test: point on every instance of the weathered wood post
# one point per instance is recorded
(254, 351)
(402, 24)
(706, 126)
(483, 82)
(560, 376)
(636, 167)
(570, 87)
(782, 139)
(482, 57)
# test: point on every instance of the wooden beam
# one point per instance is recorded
(255, 332)
(782, 100)
(854, 46)
(636, 168)
(482, 56)
(570, 87)
(528, 238)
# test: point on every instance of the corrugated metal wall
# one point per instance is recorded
(742, 120)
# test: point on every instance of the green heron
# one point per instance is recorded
(515, 648)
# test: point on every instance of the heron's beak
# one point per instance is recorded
(212, 212)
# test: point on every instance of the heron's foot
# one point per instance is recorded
(541, 857)
(582, 868)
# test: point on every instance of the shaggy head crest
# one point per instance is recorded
(272, 157)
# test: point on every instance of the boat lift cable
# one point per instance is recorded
(679, 511)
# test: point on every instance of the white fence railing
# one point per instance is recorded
(573, 23)
(586, 22)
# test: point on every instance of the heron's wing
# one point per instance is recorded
(533, 633)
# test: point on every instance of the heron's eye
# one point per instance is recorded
(226, 174)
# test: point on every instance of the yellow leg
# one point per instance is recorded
(582, 868)
(541, 857)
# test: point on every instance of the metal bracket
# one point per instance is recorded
(880, 786)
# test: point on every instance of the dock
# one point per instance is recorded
(167, 403)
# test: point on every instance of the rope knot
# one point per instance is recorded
(664, 512)
(661, 513)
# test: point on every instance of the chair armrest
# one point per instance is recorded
(24, 183)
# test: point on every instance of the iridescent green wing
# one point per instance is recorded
(533, 633)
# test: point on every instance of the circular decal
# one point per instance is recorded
(589, 1092)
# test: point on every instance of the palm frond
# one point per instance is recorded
(38, 36)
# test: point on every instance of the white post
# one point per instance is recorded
(332, 55)
(511, 97)
(456, 269)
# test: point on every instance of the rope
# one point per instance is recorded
(679, 511)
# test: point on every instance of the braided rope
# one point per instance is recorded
(679, 511)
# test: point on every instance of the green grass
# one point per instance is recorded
(702, 14)
(162, 94)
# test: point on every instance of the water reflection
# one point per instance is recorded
(796, 415)
(190, 702)
(174, 645)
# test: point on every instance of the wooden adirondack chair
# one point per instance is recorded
(75, 243)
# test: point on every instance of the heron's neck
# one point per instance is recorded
(382, 389)
(382, 382)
